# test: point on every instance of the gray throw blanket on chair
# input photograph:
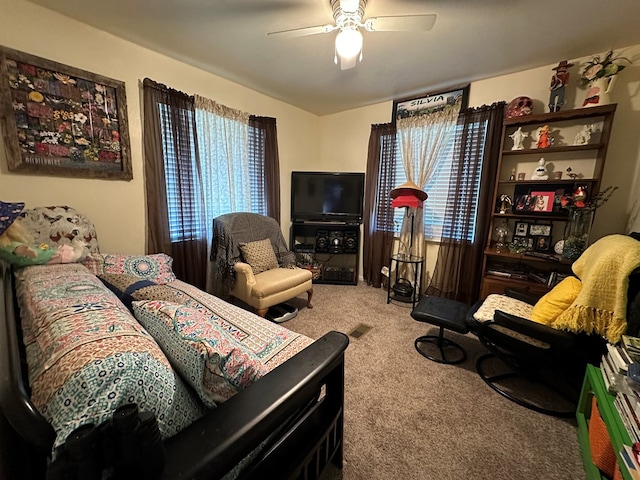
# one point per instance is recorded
(232, 229)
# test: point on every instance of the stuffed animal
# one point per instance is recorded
(17, 245)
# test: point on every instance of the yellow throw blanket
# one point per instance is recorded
(601, 305)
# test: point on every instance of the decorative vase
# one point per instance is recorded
(576, 234)
(598, 91)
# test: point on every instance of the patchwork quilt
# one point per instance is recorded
(87, 355)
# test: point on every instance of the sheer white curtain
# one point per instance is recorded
(223, 145)
(422, 142)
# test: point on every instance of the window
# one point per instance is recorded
(438, 187)
(231, 158)
(257, 181)
(182, 181)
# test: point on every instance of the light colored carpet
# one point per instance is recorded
(407, 417)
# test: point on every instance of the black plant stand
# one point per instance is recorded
(418, 265)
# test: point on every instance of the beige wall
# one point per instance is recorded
(346, 135)
(307, 142)
(118, 207)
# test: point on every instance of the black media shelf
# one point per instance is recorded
(330, 250)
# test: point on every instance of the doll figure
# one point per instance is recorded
(558, 82)
(545, 139)
(17, 246)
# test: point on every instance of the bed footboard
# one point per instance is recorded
(300, 403)
(288, 424)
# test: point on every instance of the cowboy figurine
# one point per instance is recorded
(18, 247)
(558, 81)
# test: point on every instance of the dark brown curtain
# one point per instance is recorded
(378, 214)
(458, 268)
(169, 117)
(265, 128)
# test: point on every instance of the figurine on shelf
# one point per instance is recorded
(505, 204)
(540, 173)
(572, 175)
(558, 81)
(584, 135)
(518, 136)
(544, 137)
(513, 174)
(502, 233)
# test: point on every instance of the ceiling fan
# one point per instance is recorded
(349, 19)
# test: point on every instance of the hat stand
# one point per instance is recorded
(407, 213)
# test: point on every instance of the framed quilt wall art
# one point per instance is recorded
(63, 121)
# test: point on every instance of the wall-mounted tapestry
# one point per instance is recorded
(59, 120)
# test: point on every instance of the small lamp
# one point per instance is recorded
(408, 195)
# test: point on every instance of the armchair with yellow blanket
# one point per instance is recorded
(551, 339)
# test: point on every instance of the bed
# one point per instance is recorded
(288, 423)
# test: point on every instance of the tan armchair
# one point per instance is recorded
(271, 287)
(254, 264)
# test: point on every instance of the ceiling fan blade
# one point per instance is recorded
(400, 23)
(301, 32)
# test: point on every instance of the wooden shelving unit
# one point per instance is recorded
(586, 160)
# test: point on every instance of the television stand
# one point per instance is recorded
(331, 250)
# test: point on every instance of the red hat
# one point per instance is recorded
(409, 188)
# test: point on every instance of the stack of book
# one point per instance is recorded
(504, 270)
(630, 462)
(632, 346)
(628, 405)
(614, 367)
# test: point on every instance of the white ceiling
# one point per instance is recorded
(471, 40)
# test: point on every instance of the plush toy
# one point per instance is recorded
(17, 245)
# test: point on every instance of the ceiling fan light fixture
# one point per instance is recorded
(349, 43)
(349, 6)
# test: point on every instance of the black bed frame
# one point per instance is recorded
(301, 400)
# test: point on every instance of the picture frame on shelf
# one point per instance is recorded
(521, 229)
(538, 229)
(543, 201)
(62, 121)
(528, 243)
(523, 203)
(542, 243)
(522, 244)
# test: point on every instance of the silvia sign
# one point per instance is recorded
(413, 106)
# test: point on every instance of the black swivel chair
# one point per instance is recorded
(549, 357)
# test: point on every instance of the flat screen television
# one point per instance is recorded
(327, 197)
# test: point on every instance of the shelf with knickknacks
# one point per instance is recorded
(543, 158)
